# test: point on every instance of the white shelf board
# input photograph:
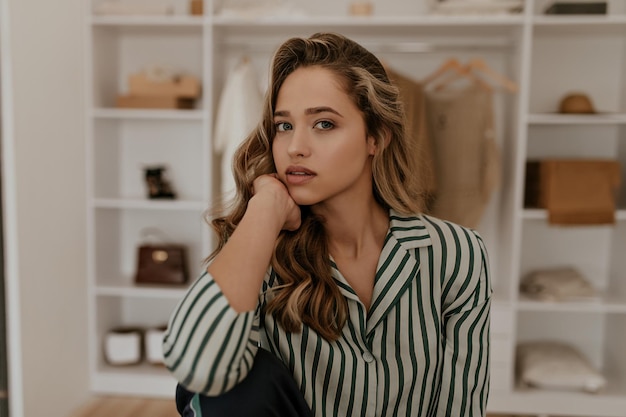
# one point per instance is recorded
(172, 20)
(144, 204)
(576, 119)
(604, 304)
(369, 21)
(143, 380)
(611, 403)
(156, 114)
(489, 28)
(141, 291)
(541, 214)
(494, 32)
(578, 20)
(535, 214)
(579, 25)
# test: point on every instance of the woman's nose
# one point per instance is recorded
(299, 144)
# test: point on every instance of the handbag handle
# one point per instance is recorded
(152, 235)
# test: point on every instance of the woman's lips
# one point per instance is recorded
(297, 175)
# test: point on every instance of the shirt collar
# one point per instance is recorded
(409, 231)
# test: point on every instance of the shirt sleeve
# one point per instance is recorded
(464, 385)
(208, 346)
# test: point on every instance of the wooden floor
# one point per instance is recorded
(127, 407)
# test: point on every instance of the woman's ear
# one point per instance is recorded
(371, 145)
(374, 145)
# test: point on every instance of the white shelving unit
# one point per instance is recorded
(548, 56)
(120, 142)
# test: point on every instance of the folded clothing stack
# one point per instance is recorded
(556, 365)
(557, 284)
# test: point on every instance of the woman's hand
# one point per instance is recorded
(269, 189)
(270, 210)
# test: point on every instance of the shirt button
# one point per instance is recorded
(368, 357)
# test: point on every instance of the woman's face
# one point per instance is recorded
(321, 149)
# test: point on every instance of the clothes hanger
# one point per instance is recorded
(451, 64)
(464, 72)
(478, 64)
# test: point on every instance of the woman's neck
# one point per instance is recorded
(354, 230)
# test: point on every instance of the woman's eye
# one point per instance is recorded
(324, 125)
(283, 126)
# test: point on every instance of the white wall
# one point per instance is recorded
(47, 58)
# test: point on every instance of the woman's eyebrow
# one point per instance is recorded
(309, 111)
(322, 109)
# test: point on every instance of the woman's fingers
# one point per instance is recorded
(270, 184)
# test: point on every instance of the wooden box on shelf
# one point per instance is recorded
(575, 191)
(184, 86)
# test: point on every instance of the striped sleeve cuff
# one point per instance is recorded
(208, 346)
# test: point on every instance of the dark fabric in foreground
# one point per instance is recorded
(269, 390)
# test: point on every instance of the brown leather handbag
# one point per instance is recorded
(161, 264)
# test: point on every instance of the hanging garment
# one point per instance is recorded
(239, 111)
(412, 96)
(467, 158)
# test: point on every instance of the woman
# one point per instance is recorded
(325, 262)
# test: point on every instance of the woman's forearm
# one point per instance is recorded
(240, 266)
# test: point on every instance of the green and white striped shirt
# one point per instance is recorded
(421, 350)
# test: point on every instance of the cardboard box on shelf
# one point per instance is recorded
(181, 86)
(575, 191)
(144, 102)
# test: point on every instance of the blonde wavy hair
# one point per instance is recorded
(307, 292)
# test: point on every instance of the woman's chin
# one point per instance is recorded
(304, 200)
